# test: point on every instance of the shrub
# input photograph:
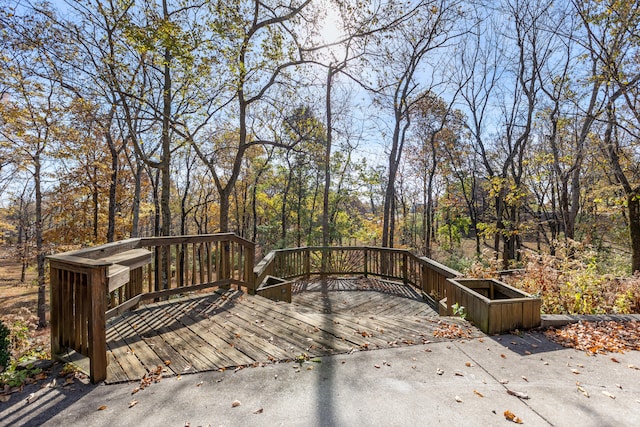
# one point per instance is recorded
(575, 285)
(5, 352)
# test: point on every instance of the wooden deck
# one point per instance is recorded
(229, 329)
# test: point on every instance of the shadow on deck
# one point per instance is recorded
(228, 329)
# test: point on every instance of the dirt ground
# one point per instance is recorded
(15, 295)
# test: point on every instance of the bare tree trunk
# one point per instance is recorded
(42, 310)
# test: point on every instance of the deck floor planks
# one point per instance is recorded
(123, 356)
(321, 332)
(327, 326)
(192, 347)
(136, 344)
(241, 320)
(235, 338)
(229, 329)
(200, 338)
(171, 346)
(201, 324)
(337, 325)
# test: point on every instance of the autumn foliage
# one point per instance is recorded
(572, 282)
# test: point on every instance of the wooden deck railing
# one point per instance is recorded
(423, 273)
(88, 286)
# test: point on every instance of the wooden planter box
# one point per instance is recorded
(275, 289)
(493, 306)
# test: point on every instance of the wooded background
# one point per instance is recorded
(304, 122)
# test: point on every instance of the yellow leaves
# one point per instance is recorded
(512, 417)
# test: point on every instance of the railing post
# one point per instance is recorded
(249, 277)
(424, 283)
(366, 262)
(225, 262)
(307, 263)
(405, 268)
(97, 323)
(55, 302)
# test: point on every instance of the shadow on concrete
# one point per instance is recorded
(37, 403)
(526, 343)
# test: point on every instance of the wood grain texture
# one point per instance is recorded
(227, 329)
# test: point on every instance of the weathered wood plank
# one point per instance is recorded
(168, 345)
(126, 329)
(120, 355)
(188, 344)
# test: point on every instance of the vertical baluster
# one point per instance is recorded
(202, 261)
(84, 316)
(194, 261)
(209, 253)
(179, 265)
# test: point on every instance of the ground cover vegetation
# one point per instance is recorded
(488, 135)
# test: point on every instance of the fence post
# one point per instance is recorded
(97, 324)
(54, 302)
(366, 262)
(249, 277)
(405, 268)
(307, 263)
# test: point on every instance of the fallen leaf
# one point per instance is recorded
(583, 391)
(458, 399)
(468, 364)
(512, 417)
(102, 407)
(235, 403)
(167, 362)
(133, 403)
(135, 390)
(200, 383)
(459, 374)
(606, 393)
(503, 356)
(518, 394)
(575, 371)
(477, 393)
(527, 352)
(525, 378)
(633, 367)
(619, 386)
(258, 411)
(5, 398)
(32, 398)
(503, 381)
(376, 366)
(439, 371)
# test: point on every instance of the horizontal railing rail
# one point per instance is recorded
(88, 286)
(390, 263)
